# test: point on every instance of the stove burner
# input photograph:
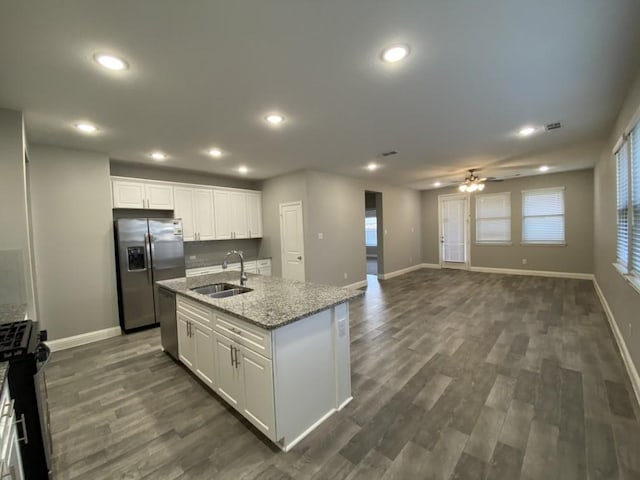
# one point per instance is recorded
(14, 339)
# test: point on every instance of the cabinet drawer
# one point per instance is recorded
(195, 272)
(264, 263)
(194, 310)
(252, 337)
(6, 417)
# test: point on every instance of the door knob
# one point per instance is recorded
(299, 258)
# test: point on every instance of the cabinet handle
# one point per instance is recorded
(236, 331)
(236, 355)
(231, 353)
(8, 412)
(25, 437)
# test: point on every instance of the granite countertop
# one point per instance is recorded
(12, 312)
(193, 264)
(274, 302)
(4, 370)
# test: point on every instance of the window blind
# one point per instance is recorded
(493, 218)
(543, 216)
(635, 200)
(622, 161)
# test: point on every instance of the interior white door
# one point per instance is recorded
(292, 238)
(203, 213)
(453, 230)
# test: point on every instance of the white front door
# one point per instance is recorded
(454, 215)
(292, 238)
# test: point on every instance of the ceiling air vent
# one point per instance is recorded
(552, 126)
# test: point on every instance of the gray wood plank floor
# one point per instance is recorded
(455, 375)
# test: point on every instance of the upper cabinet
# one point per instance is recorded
(139, 194)
(207, 213)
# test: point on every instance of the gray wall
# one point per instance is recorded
(167, 174)
(16, 286)
(575, 257)
(334, 205)
(623, 300)
(277, 190)
(73, 240)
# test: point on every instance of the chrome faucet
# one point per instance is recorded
(243, 274)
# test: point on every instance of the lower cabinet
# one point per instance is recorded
(245, 380)
(195, 348)
(10, 459)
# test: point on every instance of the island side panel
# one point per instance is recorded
(342, 354)
(304, 375)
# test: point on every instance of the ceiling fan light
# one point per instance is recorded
(462, 188)
(481, 186)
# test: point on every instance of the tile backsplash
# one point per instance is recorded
(204, 254)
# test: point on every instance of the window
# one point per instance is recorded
(628, 203)
(543, 216)
(371, 229)
(493, 218)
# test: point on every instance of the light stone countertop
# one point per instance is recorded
(12, 312)
(274, 302)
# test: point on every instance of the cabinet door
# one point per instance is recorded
(239, 224)
(184, 209)
(128, 194)
(203, 209)
(266, 271)
(228, 382)
(222, 214)
(159, 197)
(185, 341)
(254, 214)
(204, 357)
(257, 386)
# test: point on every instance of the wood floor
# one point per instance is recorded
(455, 375)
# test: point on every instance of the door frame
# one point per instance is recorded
(282, 256)
(467, 233)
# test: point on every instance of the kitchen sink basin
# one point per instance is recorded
(221, 290)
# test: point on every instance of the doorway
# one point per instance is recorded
(373, 233)
(453, 221)
(292, 238)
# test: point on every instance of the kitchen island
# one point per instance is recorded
(279, 353)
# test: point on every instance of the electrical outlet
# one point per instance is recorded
(320, 236)
(192, 257)
(524, 261)
(345, 275)
(411, 229)
(385, 231)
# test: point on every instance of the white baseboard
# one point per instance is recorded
(534, 273)
(626, 356)
(387, 276)
(344, 404)
(431, 265)
(298, 439)
(83, 339)
(356, 285)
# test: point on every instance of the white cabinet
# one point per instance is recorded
(264, 267)
(222, 209)
(204, 353)
(137, 194)
(186, 346)
(195, 340)
(239, 223)
(254, 214)
(245, 380)
(195, 207)
(10, 459)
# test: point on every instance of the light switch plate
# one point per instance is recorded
(320, 236)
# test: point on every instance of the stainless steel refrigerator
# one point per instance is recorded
(147, 250)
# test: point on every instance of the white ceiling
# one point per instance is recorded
(204, 73)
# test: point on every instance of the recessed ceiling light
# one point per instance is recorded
(395, 53)
(215, 152)
(544, 168)
(243, 169)
(86, 127)
(274, 118)
(526, 131)
(372, 166)
(437, 184)
(110, 62)
(158, 156)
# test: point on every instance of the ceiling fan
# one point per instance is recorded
(474, 183)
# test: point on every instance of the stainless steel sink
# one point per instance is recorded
(221, 290)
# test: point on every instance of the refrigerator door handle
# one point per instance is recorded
(147, 251)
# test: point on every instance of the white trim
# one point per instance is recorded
(344, 404)
(630, 278)
(387, 276)
(356, 285)
(430, 265)
(179, 184)
(83, 339)
(626, 356)
(299, 438)
(534, 273)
